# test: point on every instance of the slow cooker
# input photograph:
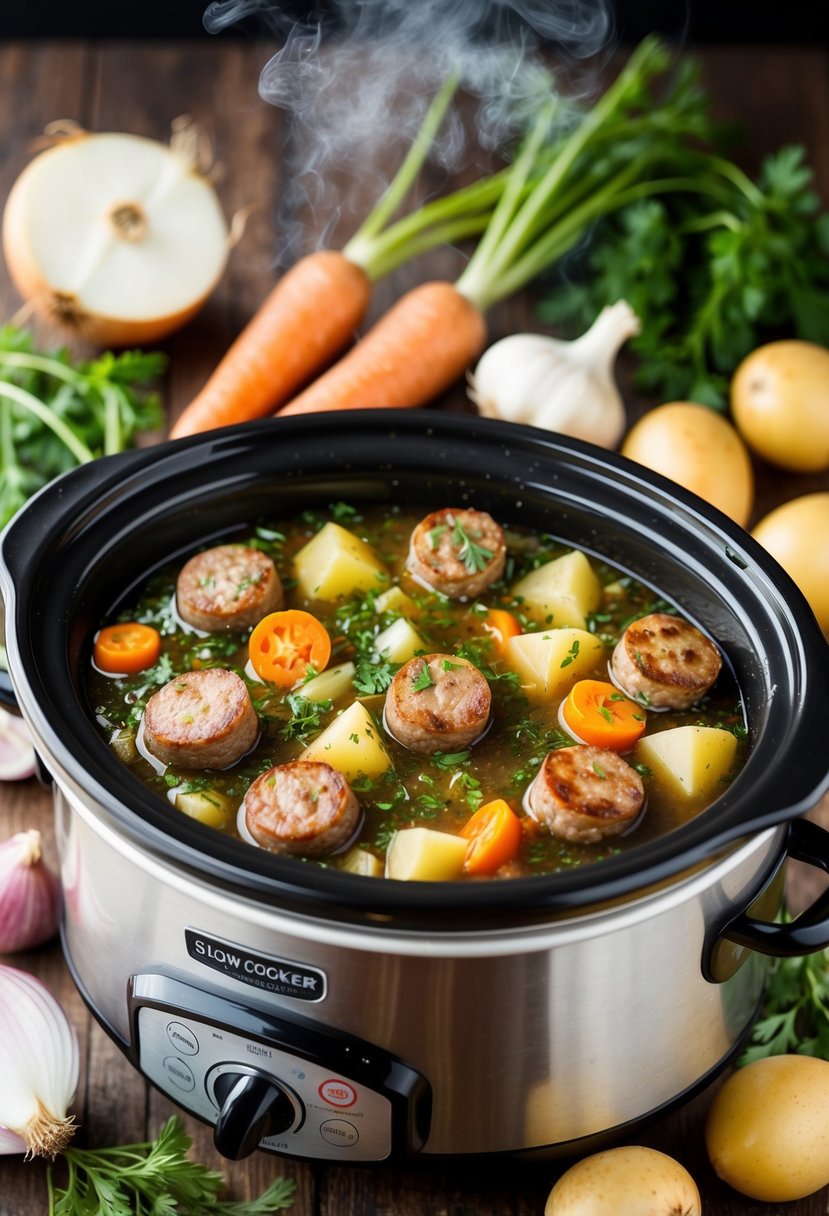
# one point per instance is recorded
(329, 1016)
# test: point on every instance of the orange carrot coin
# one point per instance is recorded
(126, 648)
(285, 644)
(494, 835)
(502, 625)
(598, 714)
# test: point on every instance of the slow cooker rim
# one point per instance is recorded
(199, 848)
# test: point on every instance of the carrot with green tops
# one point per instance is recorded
(553, 193)
(314, 310)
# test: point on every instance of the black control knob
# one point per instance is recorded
(251, 1106)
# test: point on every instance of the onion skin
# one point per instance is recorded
(30, 895)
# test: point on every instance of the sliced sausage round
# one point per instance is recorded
(457, 552)
(227, 587)
(437, 703)
(585, 793)
(664, 662)
(201, 719)
(304, 807)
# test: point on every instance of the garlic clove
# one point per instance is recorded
(17, 756)
(30, 895)
(39, 1065)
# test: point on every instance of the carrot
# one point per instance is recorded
(494, 835)
(126, 648)
(502, 625)
(423, 343)
(306, 320)
(285, 644)
(313, 311)
(597, 713)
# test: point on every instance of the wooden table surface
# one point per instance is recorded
(780, 96)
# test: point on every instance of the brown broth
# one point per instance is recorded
(440, 791)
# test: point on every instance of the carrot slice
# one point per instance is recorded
(502, 625)
(126, 648)
(285, 644)
(494, 835)
(598, 714)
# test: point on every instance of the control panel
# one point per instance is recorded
(267, 1081)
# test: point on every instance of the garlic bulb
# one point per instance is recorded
(38, 1065)
(30, 898)
(117, 238)
(566, 387)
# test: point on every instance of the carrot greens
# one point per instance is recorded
(795, 1015)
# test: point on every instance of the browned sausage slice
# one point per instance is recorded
(201, 719)
(585, 793)
(458, 552)
(665, 662)
(304, 807)
(437, 703)
(227, 587)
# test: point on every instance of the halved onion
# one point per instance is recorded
(115, 237)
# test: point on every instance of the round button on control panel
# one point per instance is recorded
(339, 1132)
(183, 1039)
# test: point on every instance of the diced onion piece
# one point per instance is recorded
(115, 237)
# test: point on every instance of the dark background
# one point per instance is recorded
(783, 21)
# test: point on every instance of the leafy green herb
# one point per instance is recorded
(599, 771)
(572, 653)
(423, 679)
(55, 414)
(373, 675)
(434, 534)
(155, 1178)
(606, 714)
(795, 1014)
(306, 717)
(712, 262)
(474, 556)
(450, 760)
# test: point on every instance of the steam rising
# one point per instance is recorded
(356, 84)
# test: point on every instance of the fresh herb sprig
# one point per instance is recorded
(795, 1015)
(56, 413)
(155, 1178)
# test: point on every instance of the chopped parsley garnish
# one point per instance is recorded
(474, 556)
(306, 717)
(572, 653)
(373, 675)
(423, 679)
(450, 760)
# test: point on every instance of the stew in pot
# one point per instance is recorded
(433, 697)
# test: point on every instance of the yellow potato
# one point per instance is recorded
(208, 806)
(352, 744)
(551, 661)
(633, 1181)
(698, 449)
(797, 535)
(767, 1131)
(330, 684)
(396, 600)
(399, 642)
(779, 397)
(360, 861)
(691, 760)
(561, 592)
(336, 563)
(423, 855)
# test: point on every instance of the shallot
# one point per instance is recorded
(30, 897)
(17, 756)
(560, 386)
(39, 1067)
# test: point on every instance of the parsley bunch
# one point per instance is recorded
(56, 413)
(153, 1179)
(712, 262)
(795, 1014)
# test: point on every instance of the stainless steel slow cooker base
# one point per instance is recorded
(386, 1043)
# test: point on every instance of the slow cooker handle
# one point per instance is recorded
(807, 842)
